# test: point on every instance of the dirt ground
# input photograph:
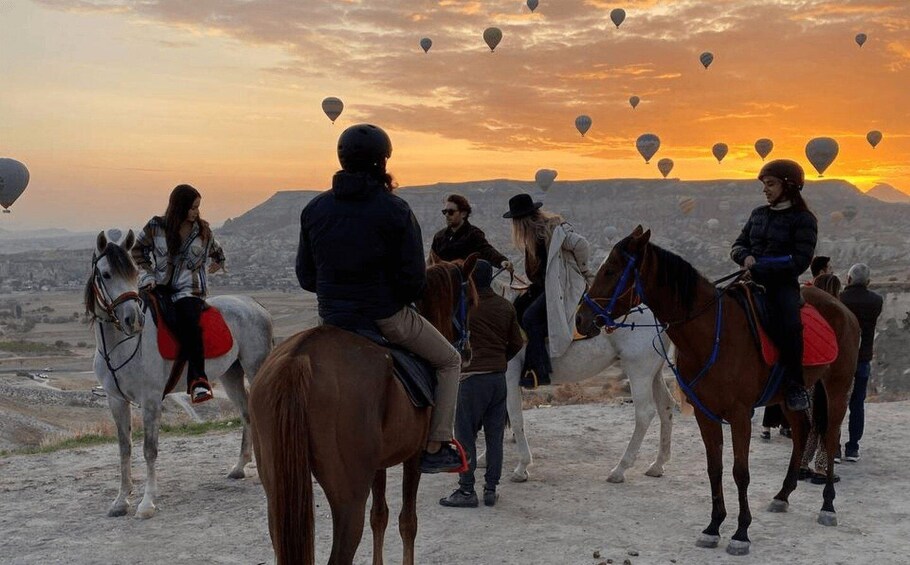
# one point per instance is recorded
(54, 506)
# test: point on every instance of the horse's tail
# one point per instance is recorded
(281, 435)
(820, 410)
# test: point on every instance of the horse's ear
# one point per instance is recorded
(639, 239)
(469, 264)
(638, 231)
(129, 240)
(101, 242)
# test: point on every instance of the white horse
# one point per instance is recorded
(131, 370)
(587, 358)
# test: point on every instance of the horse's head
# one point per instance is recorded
(614, 292)
(111, 293)
(449, 298)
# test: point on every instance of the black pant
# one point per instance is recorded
(534, 323)
(481, 402)
(786, 328)
(189, 334)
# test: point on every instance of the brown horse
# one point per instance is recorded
(696, 315)
(325, 402)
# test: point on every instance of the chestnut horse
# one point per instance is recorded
(717, 352)
(325, 402)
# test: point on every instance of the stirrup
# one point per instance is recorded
(197, 397)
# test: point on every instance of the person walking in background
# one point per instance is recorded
(171, 252)
(867, 307)
(820, 265)
(495, 339)
(829, 283)
(460, 238)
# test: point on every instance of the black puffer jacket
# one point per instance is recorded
(467, 239)
(360, 249)
(777, 233)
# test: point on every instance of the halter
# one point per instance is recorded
(460, 316)
(605, 314)
(102, 299)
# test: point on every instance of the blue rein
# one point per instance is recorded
(460, 318)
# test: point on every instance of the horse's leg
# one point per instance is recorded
(741, 432)
(836, 409)
(665, 405)
(516, 418)
(407, 520)
(121, 412)
(713, 437)
(347, 492)
(643, 402)
(799, 427)
(235, 387)
(379, 515)
(151, 418)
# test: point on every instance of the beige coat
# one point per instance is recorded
(567, 279)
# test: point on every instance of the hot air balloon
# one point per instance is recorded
(332, 107)
(610, 232)
(720, 151)
(665, 166)
(860, 39)
(634, 100)
(545, 178)
(874, 137)
(532, 4)
(618, 15)
(492, 35)
(706, 58)
(114, 235)
(849, 213)
(583, 124)
(13, 180)
(713, 224)
(647, 144)
(763, 147)
(686, 205)
(426, 43)
(821, 152)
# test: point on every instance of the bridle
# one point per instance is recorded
(460, 316)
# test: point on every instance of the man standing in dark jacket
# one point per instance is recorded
(460, 238)
(867, 307)
(361, 252)
(495, 338)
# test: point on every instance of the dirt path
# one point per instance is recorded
(52, 507)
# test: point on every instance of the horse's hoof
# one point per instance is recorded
(736, 547)
(146, 512)
(826, 518)
(778, 506)
(517, 477)
(616, 477)
(237, 474)
(119, 510)
(654, 471)
(707, 541)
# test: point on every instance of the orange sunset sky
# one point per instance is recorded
(111, 103)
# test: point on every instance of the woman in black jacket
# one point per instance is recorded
(776, 246)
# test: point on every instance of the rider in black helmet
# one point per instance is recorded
(776, 246)
(361, 252)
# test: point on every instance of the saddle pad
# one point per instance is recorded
(417, 377)
(216, 336)
(819, 341)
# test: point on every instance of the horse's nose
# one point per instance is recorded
(129, 320)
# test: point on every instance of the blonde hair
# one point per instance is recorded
(528, 230)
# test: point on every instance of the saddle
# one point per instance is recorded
(216, 336)
(414, 373)
(819, 341)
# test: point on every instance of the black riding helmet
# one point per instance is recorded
(364, 147)
(789, 172)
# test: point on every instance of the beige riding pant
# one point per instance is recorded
(412, 331)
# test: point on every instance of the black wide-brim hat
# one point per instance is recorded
(521, 205)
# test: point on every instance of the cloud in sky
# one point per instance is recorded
(788, 70)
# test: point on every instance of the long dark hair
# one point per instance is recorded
(795, 196)
(178, 206)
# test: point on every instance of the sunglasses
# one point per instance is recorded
(448, 212)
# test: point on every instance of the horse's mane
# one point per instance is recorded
(121, 264)
(675, 273)
(443, 280)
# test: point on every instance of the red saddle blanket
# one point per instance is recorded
(819, 340)
(216, 336)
